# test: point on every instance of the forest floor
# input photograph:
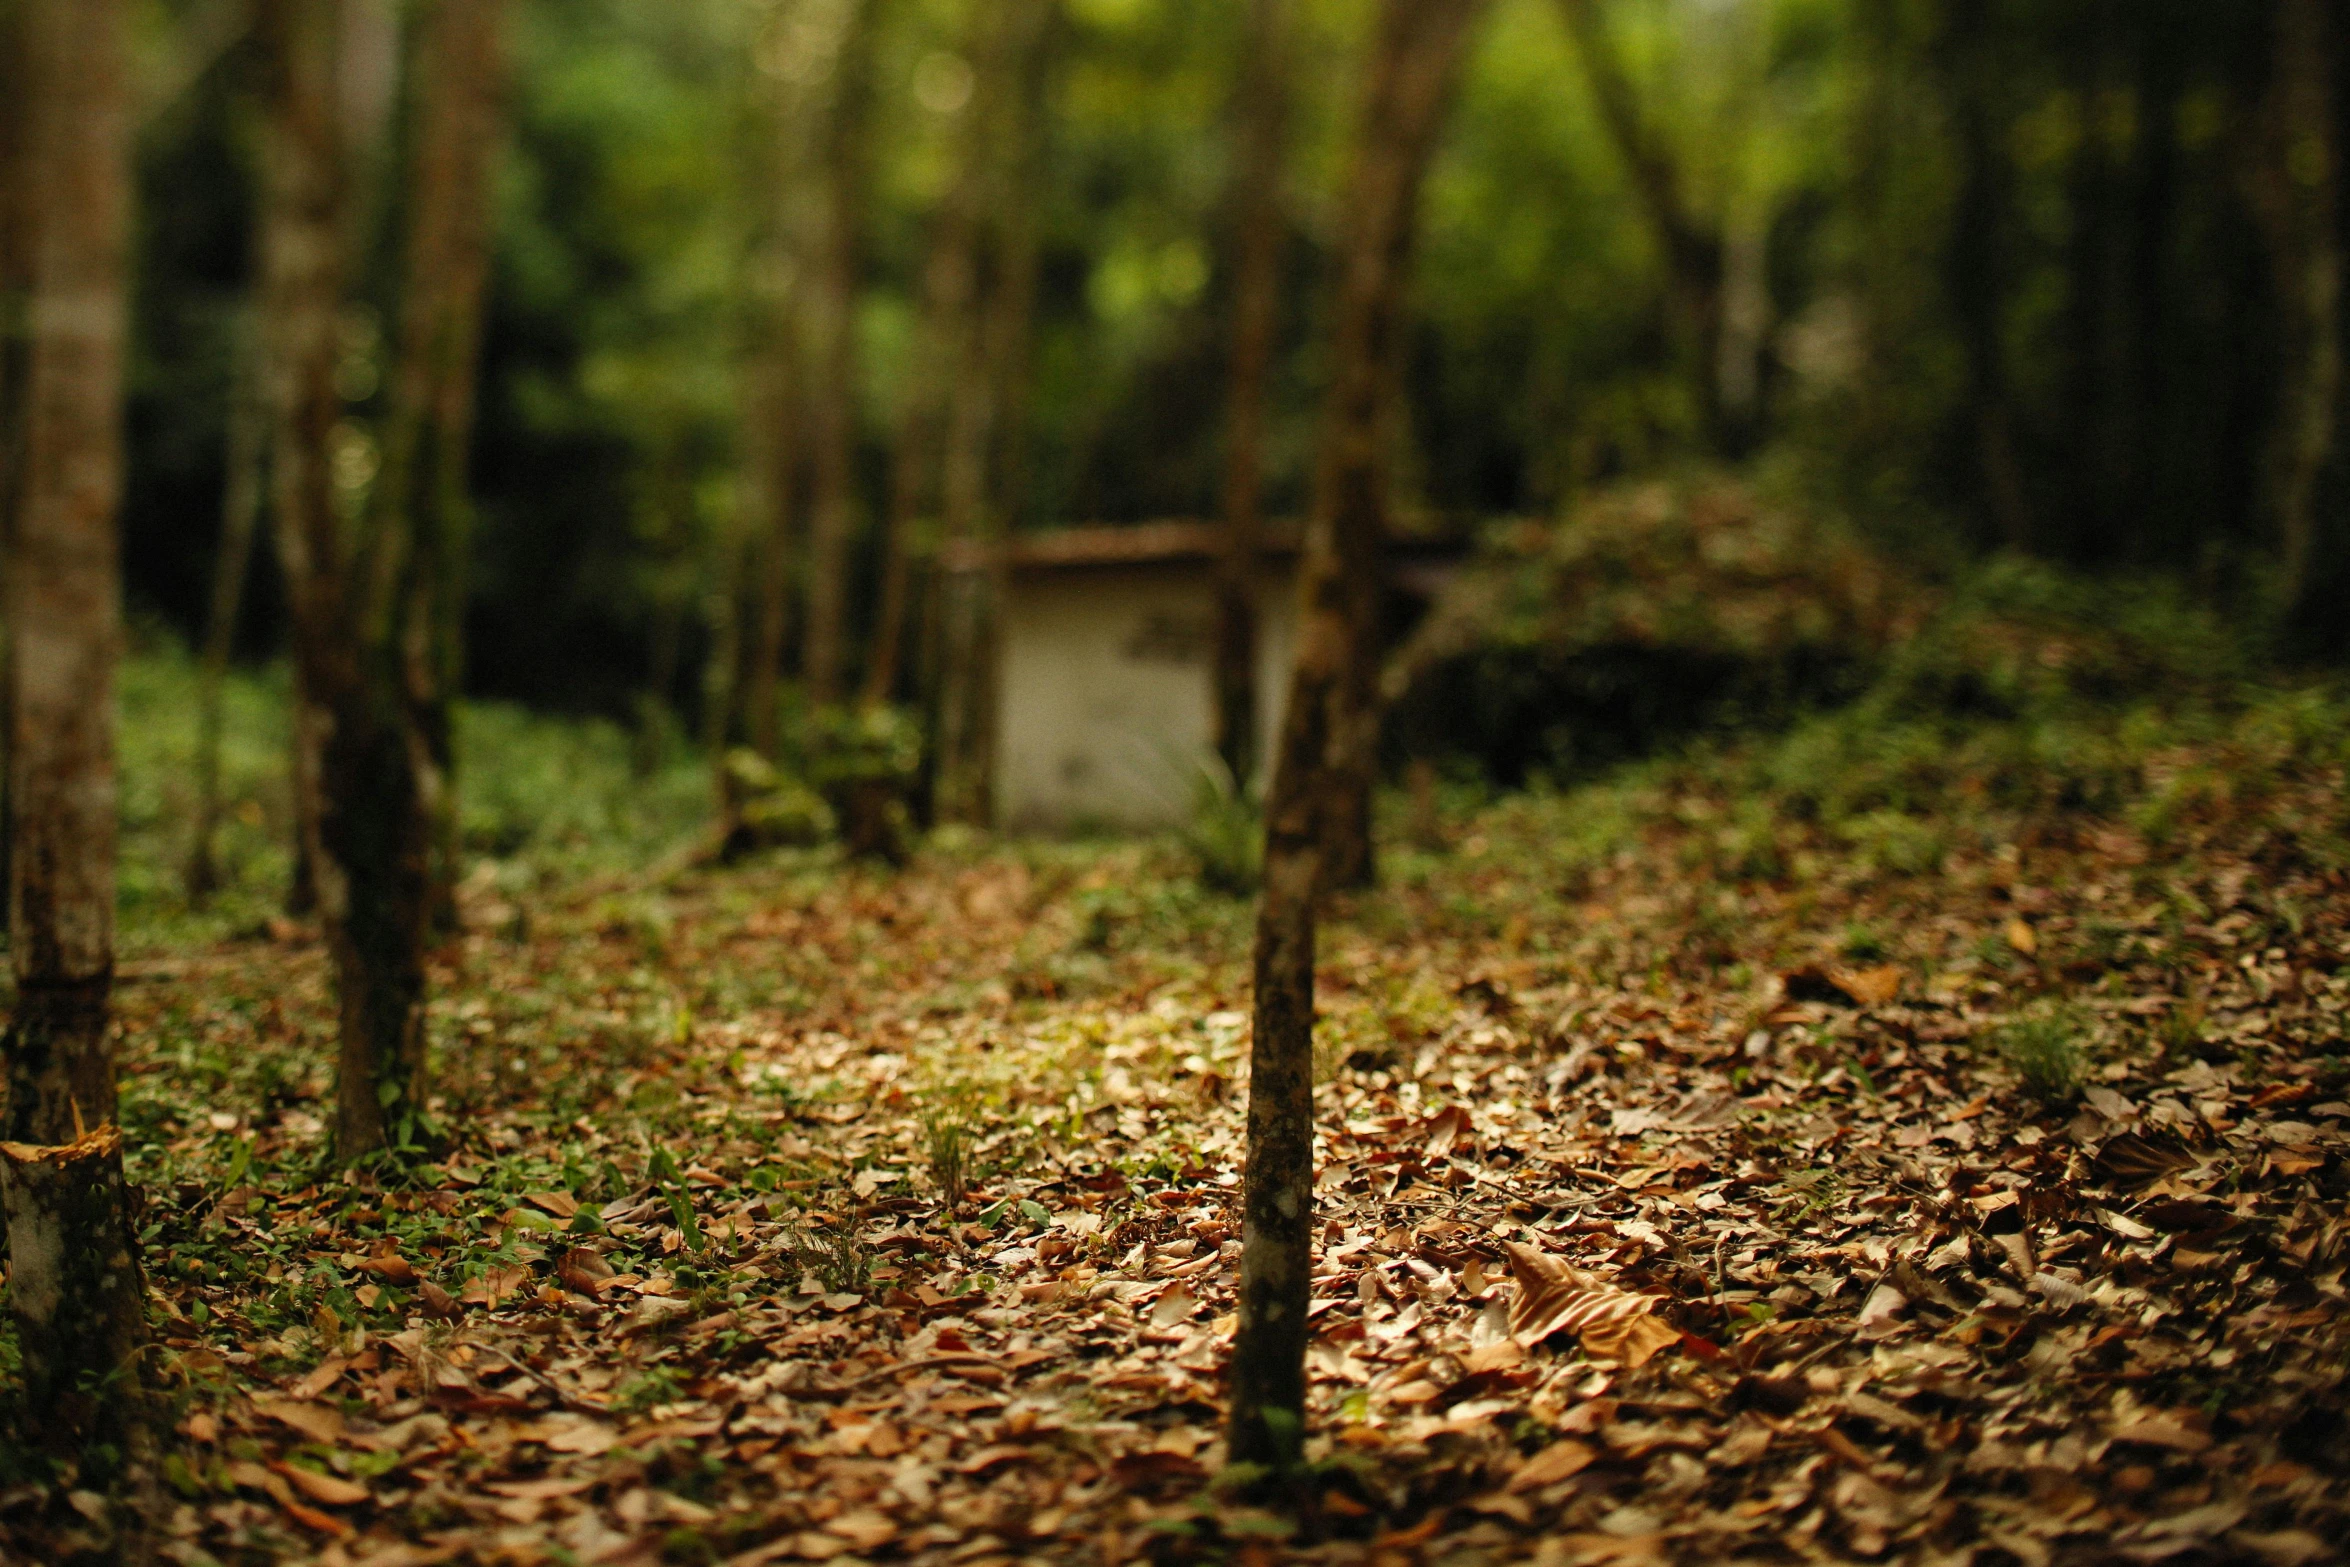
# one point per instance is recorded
(1717, 1163)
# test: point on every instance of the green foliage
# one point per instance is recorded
(773, 809)
(867, 764)
(541, 796)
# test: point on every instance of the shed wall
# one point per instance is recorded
(1106, 711)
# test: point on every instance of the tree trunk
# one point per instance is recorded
(359, 618)
(722, 675)
(773, 445)
(1256, 288)
(15, 351)
(75, 1289)
(74, 1285)
(777, 405)
(2300, 203)
(908, 483)
(991, 348)
(1976, 272)
(240, 517)
(831, 336)
(1693, 249)
(303, 743)
(1010, 328)
(422, 494)
(64, 578)
(949, 285)
(1419, 47)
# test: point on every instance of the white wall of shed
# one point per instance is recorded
(1106, 710)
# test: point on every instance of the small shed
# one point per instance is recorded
(1105, 684)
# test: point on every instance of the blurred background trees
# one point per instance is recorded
(783, 293)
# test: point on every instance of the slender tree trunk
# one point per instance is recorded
(64, 580)
(794, 54)
(993, 331)
(422, 494)
(722, 675)
(1010, 327)
(359, 625)
(1976, 271)
(2164, 59)
(908, 481)
(962, 583)
(1418, 51)
(1693, 248)
(75, 1289)
(303, 742)
(15, 351)
(774, 444)
(2300, 203)
(240, 518)
(1256, 296)
(949, 284)
(1871, 143)
(832, 354)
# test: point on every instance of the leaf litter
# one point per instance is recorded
(1662, 1217)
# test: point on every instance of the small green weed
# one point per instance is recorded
(1226, 833)
(946, 1140)
(654, 1385)
(836, 1254)
(1862, 944)
(2046, 1052)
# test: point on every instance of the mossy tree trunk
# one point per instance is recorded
(1416, 59)
(75, 1289)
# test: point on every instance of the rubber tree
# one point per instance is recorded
(949, 285)
(75, 1287)
(1261, 115)
(421, 494)
(240, 521)
(828, 312)
(986, 398)
(367, 580)
(772, 388)
(1976, 266)
(2297, 194)
(1415, 60)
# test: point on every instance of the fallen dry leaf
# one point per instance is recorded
(330, 1489)
(1562, 1460)
(318, 1422)
(1173, 1307)
(1555, 1298)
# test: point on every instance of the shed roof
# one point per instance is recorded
(1174, 542)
